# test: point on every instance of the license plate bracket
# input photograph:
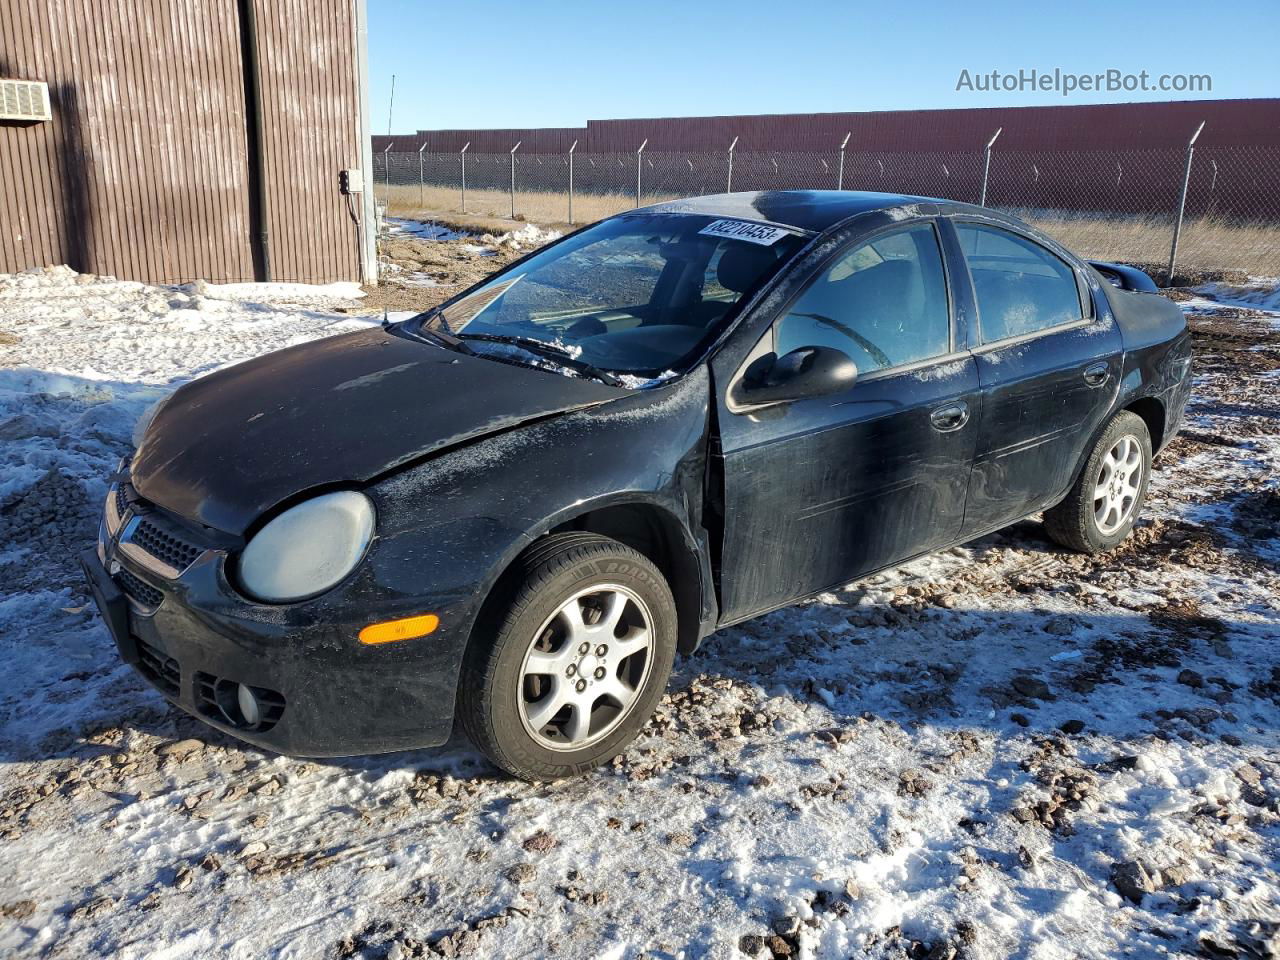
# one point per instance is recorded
(112, 604)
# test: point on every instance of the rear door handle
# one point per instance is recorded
(951, 417)
(1096, 374)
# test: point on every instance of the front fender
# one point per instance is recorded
(450, 526)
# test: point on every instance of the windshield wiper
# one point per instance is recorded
(552, 351)
(420, 331)
(445, 339)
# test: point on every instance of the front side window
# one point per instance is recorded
(1021, 287)
(633, 295)
(884, 303)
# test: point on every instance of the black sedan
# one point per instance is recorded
(516, 508)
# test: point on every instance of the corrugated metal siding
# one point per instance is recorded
(1118, 126)
(33, 213)
(1109, 126)
(310, 98)
(143, 171)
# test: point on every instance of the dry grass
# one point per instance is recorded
(546, 208)
(1206, 243)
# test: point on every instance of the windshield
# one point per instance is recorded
(636, 295)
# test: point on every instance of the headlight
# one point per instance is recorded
(307, 549)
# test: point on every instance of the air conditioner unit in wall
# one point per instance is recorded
(24, 100)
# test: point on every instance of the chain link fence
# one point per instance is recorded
(1125, 206)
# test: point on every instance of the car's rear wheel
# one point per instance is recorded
(573, 670)
(1101, 508)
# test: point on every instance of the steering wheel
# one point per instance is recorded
(871, 350)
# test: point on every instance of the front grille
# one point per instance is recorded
(139, 589)
(122, 501)
(218, 699)
(159, 668)
(165, 543)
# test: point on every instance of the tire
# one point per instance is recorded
(534, 668)
(1090, 524)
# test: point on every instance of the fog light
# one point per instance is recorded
(248, 704)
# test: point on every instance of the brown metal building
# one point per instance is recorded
(1075, 127)
(187, 139)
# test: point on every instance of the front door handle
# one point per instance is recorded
(951, 417)
(1096, 374)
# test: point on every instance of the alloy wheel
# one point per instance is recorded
(1115, 492)
(585, 667)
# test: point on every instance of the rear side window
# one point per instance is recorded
(884, 303)
(1021, 287)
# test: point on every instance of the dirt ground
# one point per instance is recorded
(417, 273)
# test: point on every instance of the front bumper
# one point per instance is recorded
(319, 692)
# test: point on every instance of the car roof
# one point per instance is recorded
(809, 210)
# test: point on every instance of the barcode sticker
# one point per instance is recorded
(760, 233)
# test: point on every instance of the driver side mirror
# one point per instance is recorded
(804, 372)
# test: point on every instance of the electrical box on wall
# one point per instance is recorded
(24, 100)
(351, 181)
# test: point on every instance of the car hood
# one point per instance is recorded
(228, 447)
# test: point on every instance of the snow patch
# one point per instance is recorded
(277, 292)
(1262, 293)
(422, 229)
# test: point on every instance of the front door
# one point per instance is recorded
(820, 490)
(1049, 369)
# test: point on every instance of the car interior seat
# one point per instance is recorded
(740, 266)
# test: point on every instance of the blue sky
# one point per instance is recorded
(538, 63)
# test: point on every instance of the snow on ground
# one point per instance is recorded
(419, 228)
(523, 238)
(422, 264)
(1260, 292)
(324, 293)
(1002, 750)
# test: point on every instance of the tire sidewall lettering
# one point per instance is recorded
(615, 568)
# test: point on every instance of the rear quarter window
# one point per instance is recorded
(1021, 287)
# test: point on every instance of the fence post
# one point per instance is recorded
(840, 172)
(986, 167)
(571, 149)
(463, 154)
(513, 178)
(422, 197)
(386, 168)
(1182, 202)
(729, 186)
(638, 164)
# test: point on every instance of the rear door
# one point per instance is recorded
(1049, 365)
(820, 490)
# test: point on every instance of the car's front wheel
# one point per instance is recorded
(566, 679)
(1101, 508)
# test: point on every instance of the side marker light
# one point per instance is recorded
(389, 631)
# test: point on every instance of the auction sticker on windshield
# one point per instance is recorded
(760, 233)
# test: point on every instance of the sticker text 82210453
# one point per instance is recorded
(760, 233)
